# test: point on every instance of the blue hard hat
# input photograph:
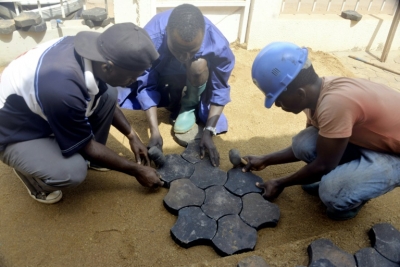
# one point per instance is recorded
(275, 67)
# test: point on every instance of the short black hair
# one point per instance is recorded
(306, 76)
(187, 20)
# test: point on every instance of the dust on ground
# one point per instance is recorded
(110, 220)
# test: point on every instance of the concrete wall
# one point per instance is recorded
(320, 32)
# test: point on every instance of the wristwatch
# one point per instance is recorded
(211, 129)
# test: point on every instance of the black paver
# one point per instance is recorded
(220, 202)
(322, 263)
(241, 183)
(324, 249)
(194, 134)
(258, 212)
(351, 15)
(193, 227)
(175, 167)
(234, 236)
(183, 193)
(386, 240)
(192, 152)
(369, 257)
(206, 175)
(26, 19)
(94, 14)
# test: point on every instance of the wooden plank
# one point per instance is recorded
(391, 34)
(362, 7)
(375, 7)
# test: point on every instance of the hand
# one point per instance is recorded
(139, 149)
(272, 189)
(156, 140)
(254, 163)
(207, 143)
(148, 177)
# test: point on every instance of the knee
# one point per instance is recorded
(304, 144)
(198, 72)
(69, 174)
(335, 196)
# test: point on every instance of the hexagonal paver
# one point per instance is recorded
(386, 240)
(369, 257)
(220, 202)
(234, 236)
(241, 183)
(206, 175)
(94, 14)
(183, 193)
(175, 167)
(193, 227)
(258, 212)
(192, 152)
(324, 249)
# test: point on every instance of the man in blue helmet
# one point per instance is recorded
(193, 54)
(352, 140)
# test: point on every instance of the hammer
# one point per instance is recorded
(235, 158)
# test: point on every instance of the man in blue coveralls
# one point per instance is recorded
(195, 54)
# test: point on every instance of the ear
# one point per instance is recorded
(302, 93)
(108, 67)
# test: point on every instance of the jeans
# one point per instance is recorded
(350, 184)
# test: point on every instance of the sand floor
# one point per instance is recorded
(110, 220)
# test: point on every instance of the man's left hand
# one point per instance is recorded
(272, 189)
(207, 143)
(140, 151)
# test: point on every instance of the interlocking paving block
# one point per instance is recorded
(351, 15)
(241, 183)
(322, 263)
(253, 261)
(27, 19)
(192, 152)
(258, 212)
(175, 167)
(193, 227)
(369, 257)
(324, 249)
(41, 27)
(102, 23)
(194, 134)
(206, 175)
(89, 22)
(220, 202)
(234, 236)
(94, 14)
(7, 26)
(183, 193)
(386, 240)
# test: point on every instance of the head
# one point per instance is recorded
(278, 70)
(185, 32)
(120, 54)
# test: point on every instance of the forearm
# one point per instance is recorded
(121, 124)
(103, 156)
(151, 115)
(214, 114)
(280, 157)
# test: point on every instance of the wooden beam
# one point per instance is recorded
(391, 34)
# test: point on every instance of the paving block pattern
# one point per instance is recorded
(369, 257)
(386, 240)
(212, 208)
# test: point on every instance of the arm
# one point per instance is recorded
(138, 148)
(155, 136)
(100, 154)
(329, 153)
(206, 139)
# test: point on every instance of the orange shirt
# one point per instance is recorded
(367, 112)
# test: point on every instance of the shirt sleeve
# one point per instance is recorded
(221, 68)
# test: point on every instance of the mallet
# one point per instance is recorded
(157, 156)
(235, 158)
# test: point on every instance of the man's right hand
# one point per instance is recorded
(254, 163)
(156, 140)
(148, 177)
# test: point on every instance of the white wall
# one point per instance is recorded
(320, 32)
